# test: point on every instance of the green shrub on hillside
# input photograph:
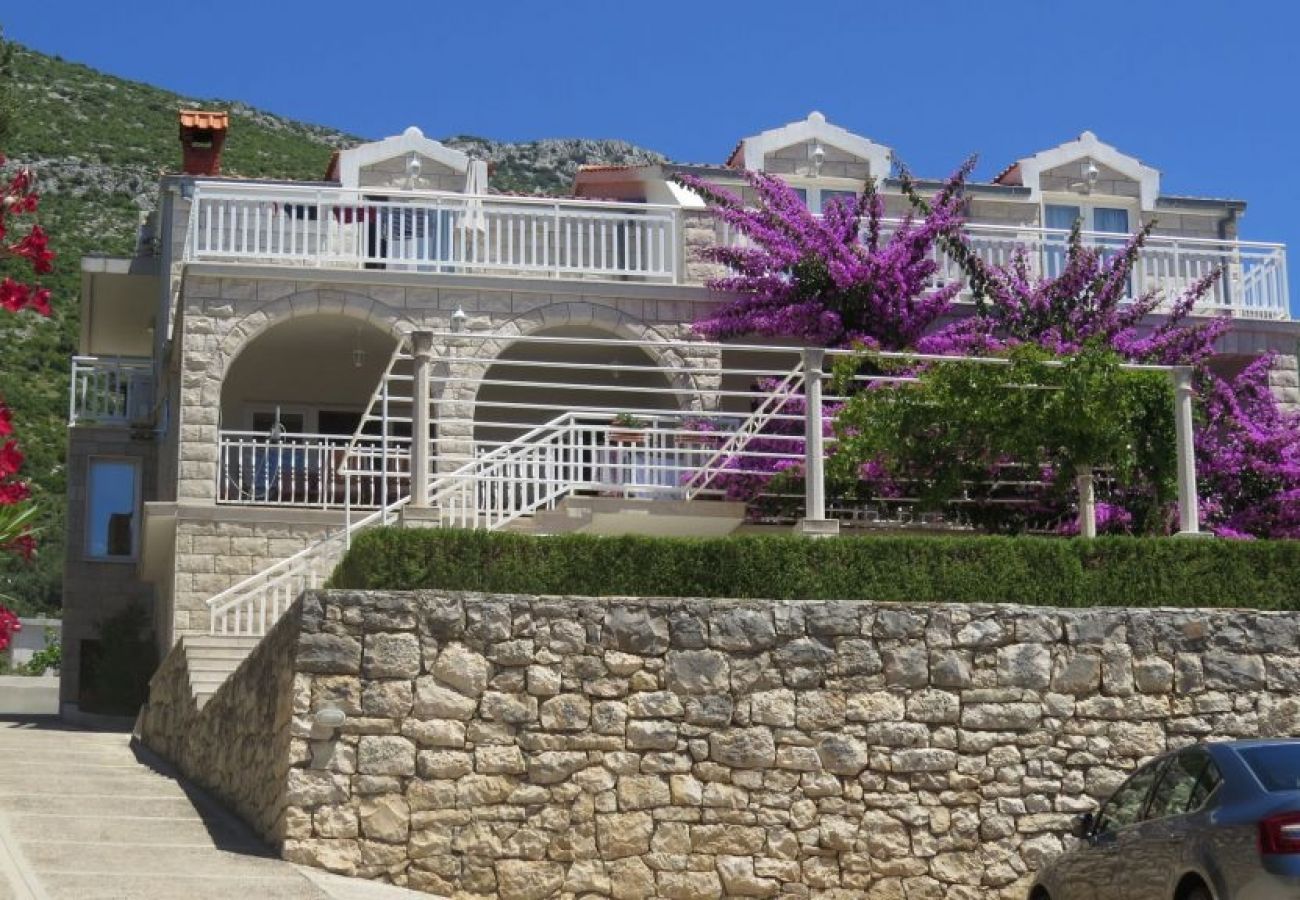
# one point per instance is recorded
(1038, 571)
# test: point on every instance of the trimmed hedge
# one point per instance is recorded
(1035, 571)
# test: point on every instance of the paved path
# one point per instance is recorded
(82, 816)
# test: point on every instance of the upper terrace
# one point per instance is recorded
(410, 204)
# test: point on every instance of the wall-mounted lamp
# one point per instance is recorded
(458, 319)
(358, 352)
(330, 718)
(818, 156)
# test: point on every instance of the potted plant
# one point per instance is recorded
(626, 428)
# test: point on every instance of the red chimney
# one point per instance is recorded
(202, 135)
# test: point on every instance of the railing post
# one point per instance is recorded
(1189, 514)
(422, 351)
(814, 523)
(1087, 502)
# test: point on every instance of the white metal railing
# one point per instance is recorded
(253, 605)
(110, 390)
(1255, 273)
(571, 453)
(540, 428)
(431, 231)
(759, 424)
(307, 470)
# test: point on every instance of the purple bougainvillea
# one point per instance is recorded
(832, 280)
(850, 278)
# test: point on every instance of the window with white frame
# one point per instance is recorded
(1092, 216)
(112, 508)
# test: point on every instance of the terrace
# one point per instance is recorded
(434, 232)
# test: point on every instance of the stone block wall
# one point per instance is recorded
(525, 747)
(237, 745)
(217, 547)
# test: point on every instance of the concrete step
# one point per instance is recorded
(220, 641)
(212, 658)
(637, 515)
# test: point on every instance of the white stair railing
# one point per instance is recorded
(252, 607)
(740, 439)
(518, 478)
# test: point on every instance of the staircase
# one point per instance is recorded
(572, 473)
(211, 659)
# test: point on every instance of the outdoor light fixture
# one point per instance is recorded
(358, 352)
(818, 156)
(458, 319)
(330, 717)
(1091, 173)
(412, 169)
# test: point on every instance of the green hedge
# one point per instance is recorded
(1041, 571)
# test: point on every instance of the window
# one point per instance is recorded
(1277, 766)
(1125, 806)
(1185, 780)
(1062, 217)
(1107, 219)
(829, 196)
(112, 495)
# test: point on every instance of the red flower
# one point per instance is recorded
(6, 421)
(13, 492)
(9, 624)
(35, 247)
(11, 459)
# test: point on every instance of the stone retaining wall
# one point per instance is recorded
(237, 745)
(530, 747)
(525, 748)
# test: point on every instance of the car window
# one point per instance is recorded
(1178, 784)
(1277, 766)
(1205, 784)
(1125, 807)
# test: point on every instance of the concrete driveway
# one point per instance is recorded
(83, 816)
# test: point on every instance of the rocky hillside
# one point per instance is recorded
(98, 144)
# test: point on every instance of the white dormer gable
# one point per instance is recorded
(813, 131)
(410, 160)
(1088, 149)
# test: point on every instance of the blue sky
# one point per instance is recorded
(1205, 91)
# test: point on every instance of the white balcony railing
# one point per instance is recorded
(1254, 284)
(110, 391)
(303, 470)
(432, 232)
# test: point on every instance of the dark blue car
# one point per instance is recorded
(1216, 821)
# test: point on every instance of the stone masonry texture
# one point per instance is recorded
(532, 747)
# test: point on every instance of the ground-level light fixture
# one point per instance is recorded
(458, 319)
(330, 717)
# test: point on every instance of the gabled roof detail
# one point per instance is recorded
(1086, 146)
(749, 153)
(412, 140)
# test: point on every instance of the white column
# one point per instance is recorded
(1189, 513)
(814, 522)
(422, 351)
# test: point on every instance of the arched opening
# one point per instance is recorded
(290, 403)
(614, 414)
(532, 383)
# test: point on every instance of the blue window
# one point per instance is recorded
(112, 492)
